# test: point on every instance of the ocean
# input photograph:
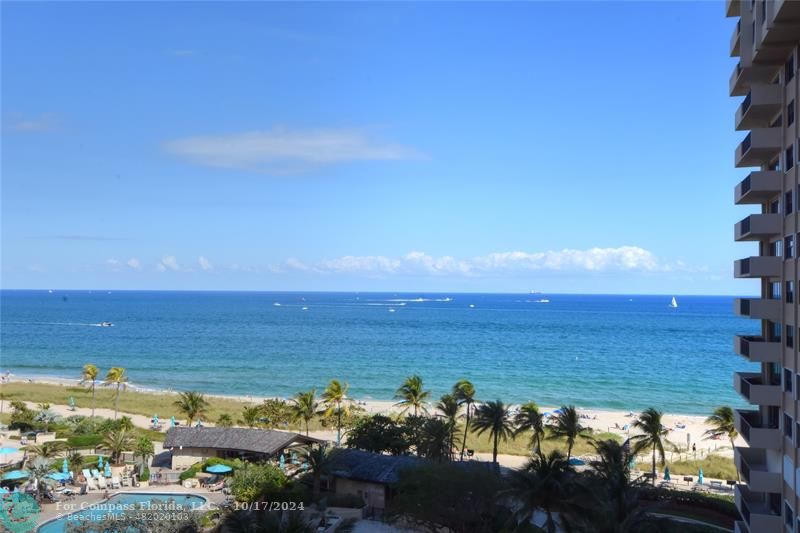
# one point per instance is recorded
(600, 351)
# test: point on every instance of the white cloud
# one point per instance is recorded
(113, 264)
(41, 123)
(620, 259)
(281, 150)
(168, 262)
(204, 263)
(134, 263)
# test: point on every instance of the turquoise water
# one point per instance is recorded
(116, 505)
(610, 351)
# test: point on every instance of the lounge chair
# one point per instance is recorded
(216, 486)
(101, 482)
(115, 484)
(96, 473)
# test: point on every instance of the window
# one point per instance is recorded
(753, 29)
(787, 379)
(763, 11)
(788, 292)
(788, 70)
(775, 206)
(774, 330)
(797, 436)
(788, 514)
(790, 113)
(775, 165)
(788, 427)
(789, 157)
(775, 290)
(776, 248)
(797, 388)
(787, 203)
(788, 247)
(789, 344)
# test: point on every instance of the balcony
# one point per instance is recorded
(732, 8)
(785, 12)
(757, 227)
(752, 464)
(759, 308)
(760, 105)
(742, 77)
(751, 387)
(758, 267)
(759, 147)
(735, 38)
(758, 187)
(757, 349)
(755, 432)
(756, 512)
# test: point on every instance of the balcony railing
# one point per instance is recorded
(745, 144)
(746, 102)
(745, 188)
(745, 225)
(744, 266)
(744, 306)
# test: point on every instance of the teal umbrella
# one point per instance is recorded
(666, 474)
(107, 473)
(71, 403)
(15, 474)
(219, 469)
(155, 420)
(632, 463)
(65, 466)
(59, 476)
(4, 450)
(282, 462)
(172, 421)
(700, 476)
(99, 462)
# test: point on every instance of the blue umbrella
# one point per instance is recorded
(99, 461)
(282, 462)
(4, 450)
(574, 461)
(219, 469)
(59, 476)
(155, 420)
(666, 474)
(107, 473)
(15, 474)
(172, 421)
(700, 476)
(65, 466)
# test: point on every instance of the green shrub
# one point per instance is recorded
(721, 504)
(253, 481)
(188, 473)
(145, 475)
(84, 441)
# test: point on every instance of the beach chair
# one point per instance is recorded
(115, 483)
(90, 482)
(96, 473)
(101, 482)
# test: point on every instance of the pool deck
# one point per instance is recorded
(59, 509)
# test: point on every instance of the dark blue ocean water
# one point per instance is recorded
(620, 352)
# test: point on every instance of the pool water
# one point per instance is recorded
(119, 503)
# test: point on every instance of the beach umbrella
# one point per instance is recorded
(15, 474)
(282, 462)
(107, 473)
(700, 476)
(5, 450)
(295, 461)
(59, 476)
(155, 420)
(666, 474)
(172, 421)
(72, 403)
(219, 469)
(99, 462)
(305, 467)
(632, 463)
(65, 466)
(574, 461)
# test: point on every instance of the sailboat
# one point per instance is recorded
(674, 303)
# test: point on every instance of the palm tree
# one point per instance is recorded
(89, 375)
(464, 391)
(529, 418)
(225, 421)
(192, 404)
(722, 424)
(144, 449)
(411, 394)
(126, 423)
(48, 450)
(305, 406)
(495, 418)
(116, 377)
(319, 459)
(38, 470)
(544, 483)
(612, 468)
(75, 463)
(251, 415)
(653, 435)
(117, 442)
(449, 407)
(567, 425)
(337, 403)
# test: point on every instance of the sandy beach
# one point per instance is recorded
(684, 430)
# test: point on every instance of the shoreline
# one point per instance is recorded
(685, 430)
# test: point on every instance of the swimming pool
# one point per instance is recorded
(117, 504)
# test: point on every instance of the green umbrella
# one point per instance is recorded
(666, 474)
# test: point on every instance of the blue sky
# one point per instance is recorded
(562, 147)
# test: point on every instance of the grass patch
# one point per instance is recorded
(522, 444)
(714, 466)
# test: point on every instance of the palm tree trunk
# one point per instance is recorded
(654, 463)
(494, 450)
(116, 403)
(338, 425)
(738, 477)
(93, 401)
(306, 428)
(466, 429)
